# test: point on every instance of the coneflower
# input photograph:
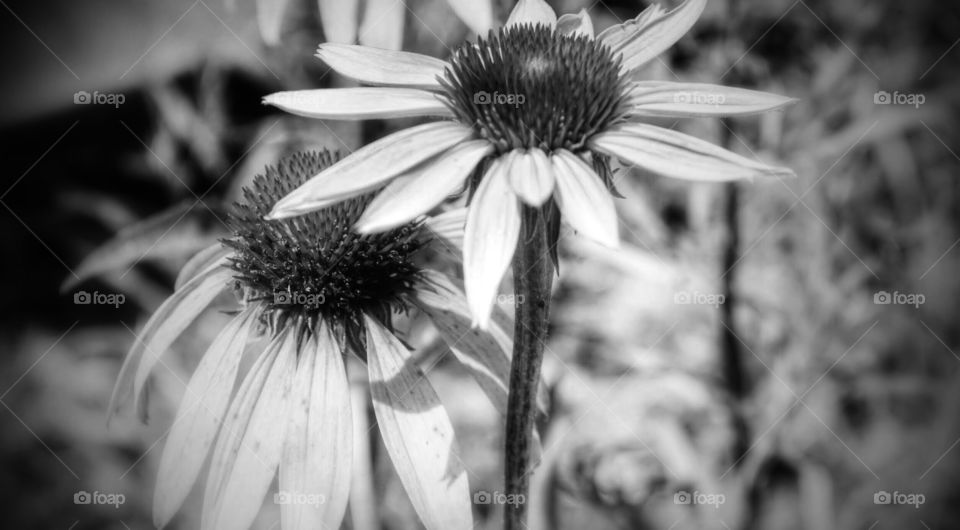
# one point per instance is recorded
(314, 291)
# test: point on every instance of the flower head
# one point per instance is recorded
(530, 115)
(311, 291)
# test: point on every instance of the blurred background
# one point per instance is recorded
(768, 355)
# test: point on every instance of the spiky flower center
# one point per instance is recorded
(533, 87)
(315, 265)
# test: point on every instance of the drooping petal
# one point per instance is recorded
(359, 103)
(417, 433)
(383, 67)
(484, 353)
(476, 14)
(576, 24)
(202, 409)
(493, 227)
(382, 25)
(531, 175)
(584, 200)
(270, 19)
(207, 258)
(651, 33)
(673, 154)
(405, 199)
(700, 99)
(166, 324)
(370, 166)
(317, 455)
(234, 427)
(532, 12)
(339, 19)
(446, 230)
(258, 455)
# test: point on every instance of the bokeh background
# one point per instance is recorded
(767, 355)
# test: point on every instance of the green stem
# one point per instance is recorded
(533, 278)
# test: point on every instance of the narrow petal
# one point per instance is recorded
(584, 200)
(166, 324)
(317, 455)
(579, 24)
(202, 409)
(532, 12)
(339, 19)
(405, 199)
(258, 456)
(383, 67)
(417, 433)
(212, 256)
(652, 32)
(362, 103)
(270, 19)
(493, 227)
(370, 166)
(476, 14)
(700, 99)
(531, 176)
(673, 154)
(382, 25)
(484, 353)
(446, 231)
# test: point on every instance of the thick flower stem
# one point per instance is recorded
(533, 277)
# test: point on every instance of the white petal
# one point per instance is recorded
(317, 455)
(234, 426)
(166, 324)
(417, 433)
(405, 199)
(651, 33)
(270, 19)
(383, 67)
(258, 456)
(382, 25)
(673, 154)
(579, 24)
(485, 354)
(370, 166)
(531, 175)
(339, 19)
(446, 231)
(476, 14)
(198, 418)
(532, 12)
(212, 256)
(700, 99)
(363, 103)
(493, 227)
(584, 200)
